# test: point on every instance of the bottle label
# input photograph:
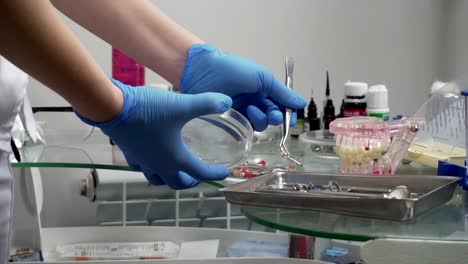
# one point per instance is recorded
(384, 116)
(353, 112)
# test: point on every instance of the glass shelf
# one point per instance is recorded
(447, 222)
(77, 145)
(73, 144)
(88, 148)
(95, 152)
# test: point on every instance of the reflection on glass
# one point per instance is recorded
(445, 222)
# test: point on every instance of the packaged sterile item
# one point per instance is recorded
(101, 251)
(337, 255)
(301, 246)
(25, 255)
(258, 248)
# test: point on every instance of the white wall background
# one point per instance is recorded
(455, 40)
(392, 42)
(405, 44)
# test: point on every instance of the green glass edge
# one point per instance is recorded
(380, 115)
(86, 166)
(307, 232)
(215, 184)
(68, 165)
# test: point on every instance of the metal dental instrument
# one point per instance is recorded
(334, 189)
(287, 114)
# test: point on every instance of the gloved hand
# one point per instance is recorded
(148, 131)
(256, 93)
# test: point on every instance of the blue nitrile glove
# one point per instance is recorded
(255, 91)
(148, 131)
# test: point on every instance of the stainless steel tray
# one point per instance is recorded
(427, 192)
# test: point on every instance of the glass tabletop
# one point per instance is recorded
(446, 222)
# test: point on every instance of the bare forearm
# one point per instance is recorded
(138, 28)
(35, 39)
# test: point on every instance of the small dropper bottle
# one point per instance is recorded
(328, 114)
(312, 116)
(327, 93)
(328, 107)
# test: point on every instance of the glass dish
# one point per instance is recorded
(272, 133)
(223, 139)
(321, 142)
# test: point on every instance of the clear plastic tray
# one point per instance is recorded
(368, 145)
(224, 139)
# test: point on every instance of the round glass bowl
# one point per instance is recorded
(272, 133)
(223, 139)
(320, 142)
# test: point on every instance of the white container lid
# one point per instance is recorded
(377, 97)
(355, 88)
